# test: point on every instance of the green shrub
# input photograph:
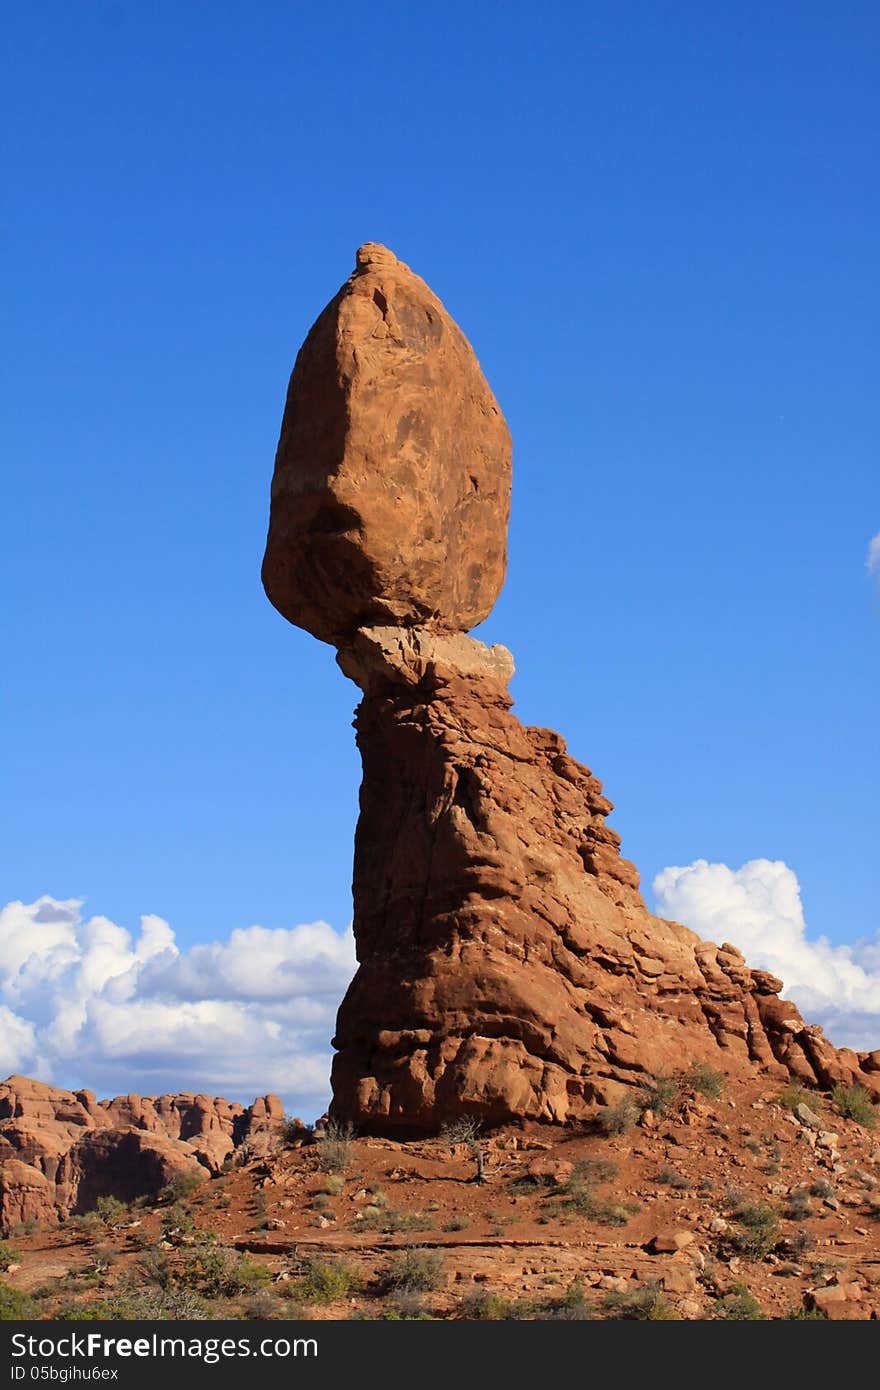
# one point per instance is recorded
(740, 1306)
(16, 1306)
(854, 1103)
(8, 1254)
(649, 1304)
(659, 1094)
(758, 1233)
(416, 1271)
(183, 1185)
(111, 1210)
(705, 1080)
(325, 1281)
(794, 1094)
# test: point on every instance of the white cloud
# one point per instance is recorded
(758, 909)
(83, 1003)
(873, 559)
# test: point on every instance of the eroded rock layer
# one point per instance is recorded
(509, 967)
(62, 1150)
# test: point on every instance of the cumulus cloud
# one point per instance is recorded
(83, 1002)
(873, 560)
(758, 909)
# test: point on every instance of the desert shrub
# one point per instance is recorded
(462, 1130)
(26, 1228)
(821, 1187)
(595, 1170)
(15, 1306)
(854, 1103)
(405, 1307)
(798, 1206)
(798, 1244)
(619, 1118)
(794, 1094)
(182, 1185)
(648, 1304)
(705, 1080)
(218, 1272)
(177, 1221)
(740, 1306)
(390, 1220)
(324, 1281)
(332, 1185)
(261, 1306)
(806, 1315)
(334, 1147)
(292, 1132)
(659, 1094)
(416, 1271)
(149, 1305)
(482, 1305)
(155, 1267)
(757, 1233)
(671, 1177)
(111, 1210)
(8, 1254)
(457, 1223)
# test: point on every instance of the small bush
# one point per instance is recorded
(705, 1080)
(8, 1254)
(457, 1223)
(671, 1177)
(854, 1103)
(182, 1185)
(463, 1130)
(15, 1306)
(740, 1306)
(389, 1220)
(334, 1147)
(649, 1304)
(111, 1210)
(595, 1170)
(325, 1281)
(758, 1233)
(294, 1134)
(332, 1185)
(794, 1094)
(659, 1094)
(155, 1267)
(405, 1307)
(619, 1118)
(416, 1271)
(484, 1306)
(798, 1207)
(821, 1187)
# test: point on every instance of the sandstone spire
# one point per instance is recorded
(509, 967)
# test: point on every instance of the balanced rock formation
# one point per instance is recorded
(61, 1150)
(509, 968)
(391, 492)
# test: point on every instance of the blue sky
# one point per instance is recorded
(658, 226)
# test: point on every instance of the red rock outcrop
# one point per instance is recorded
(391, 491)
(509, 968)
(61, 1150)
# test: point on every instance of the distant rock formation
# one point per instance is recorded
(62, 1150)
(509, 967)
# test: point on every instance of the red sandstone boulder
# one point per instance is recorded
(391, 490)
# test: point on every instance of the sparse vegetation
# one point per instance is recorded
(648, 1304)
(757, 1233)
(15, 1306)
(705, 1080)
(415, 1271)
(324, 1281)
(660, 1095)
(619, 1118)
(334, 1147)
(854, 1103)
(111, 1211)
(740, 1306)
(465, 1130)
(794, 1094)
(671, 1177)
(8, 1254)
(183, 1185)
